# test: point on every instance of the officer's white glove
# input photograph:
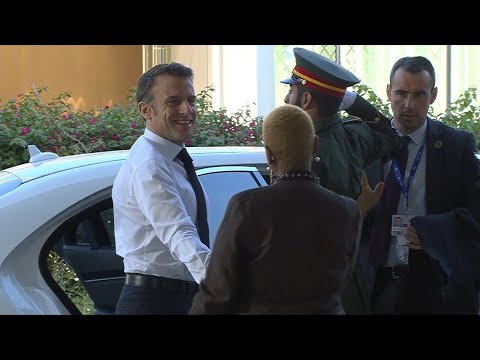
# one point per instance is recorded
(348, 100)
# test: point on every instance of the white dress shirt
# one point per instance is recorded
(154, 204)
(398, 254)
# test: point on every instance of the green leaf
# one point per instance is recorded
(19, 141)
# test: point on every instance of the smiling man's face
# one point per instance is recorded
(173, 112)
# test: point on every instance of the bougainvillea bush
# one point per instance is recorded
(53, 126)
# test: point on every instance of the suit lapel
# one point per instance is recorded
(434, 163)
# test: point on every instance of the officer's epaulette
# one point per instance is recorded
(351, 119)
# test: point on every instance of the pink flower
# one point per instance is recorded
(221, 116)
(25, 130)
(188, 143)
(103, 134)
(134, 125)
(253, 123)
(93, 120)
(115, 137)
(106, 107)
(67, 116)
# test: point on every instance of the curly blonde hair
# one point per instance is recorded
(289, 134)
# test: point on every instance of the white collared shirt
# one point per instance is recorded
(154, 204)
(398, 254)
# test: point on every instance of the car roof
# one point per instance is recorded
(202, 157)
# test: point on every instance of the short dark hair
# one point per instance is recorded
(147, 80)
(326, 104)
(414, 64)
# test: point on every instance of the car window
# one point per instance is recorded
(80, 235)
(220, 187)
(94, 229)
(107, 217)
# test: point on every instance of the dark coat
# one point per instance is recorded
(288, 248)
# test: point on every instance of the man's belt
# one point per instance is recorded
(157, 282)
(395, 272)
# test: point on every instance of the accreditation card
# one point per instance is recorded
(399, 227)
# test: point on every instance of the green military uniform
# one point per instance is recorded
(345, 146)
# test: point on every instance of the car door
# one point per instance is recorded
(88, 243)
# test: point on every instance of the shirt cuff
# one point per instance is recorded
(348, 99)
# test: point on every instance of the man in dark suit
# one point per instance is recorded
(433, 182)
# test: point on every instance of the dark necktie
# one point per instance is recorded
(380, 240)
(202, 225)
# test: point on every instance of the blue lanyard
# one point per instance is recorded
(413, 170)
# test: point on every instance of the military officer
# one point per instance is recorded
(345, 145)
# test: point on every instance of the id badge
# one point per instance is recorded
(399, 227)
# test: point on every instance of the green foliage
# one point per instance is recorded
(463, 113)
(217, 128)
(70, 284)
(56, 127)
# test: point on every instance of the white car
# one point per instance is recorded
(58, 211)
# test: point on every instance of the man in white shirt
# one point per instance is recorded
(156, 210)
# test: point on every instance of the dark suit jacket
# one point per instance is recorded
(449, 233)
(288, 248)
